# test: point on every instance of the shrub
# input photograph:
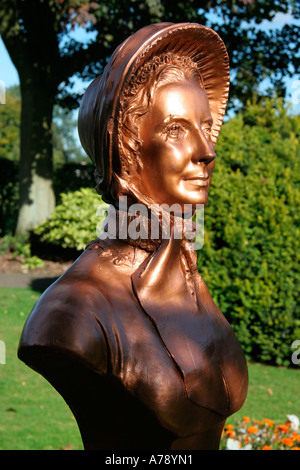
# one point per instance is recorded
(20, 247)
(75, 220)
(250, 256)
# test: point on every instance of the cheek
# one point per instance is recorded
(181, 156)
(163, 161)
(174, 159)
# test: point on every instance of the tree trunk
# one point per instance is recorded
(37, 200)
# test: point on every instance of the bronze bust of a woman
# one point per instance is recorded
(130, 335)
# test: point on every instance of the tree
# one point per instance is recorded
(66, 149)
(37, 36)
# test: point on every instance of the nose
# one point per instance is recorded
(204, 150)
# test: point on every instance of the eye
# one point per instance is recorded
(206, 128)
(174, 131)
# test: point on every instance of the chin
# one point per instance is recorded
(199, 199)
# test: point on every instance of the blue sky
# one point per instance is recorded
(8, 72)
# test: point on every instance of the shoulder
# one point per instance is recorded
(66, 322)
(73, 318)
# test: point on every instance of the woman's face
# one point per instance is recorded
(177, 153)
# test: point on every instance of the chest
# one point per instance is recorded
(183, 363)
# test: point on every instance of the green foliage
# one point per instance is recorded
(19, 246)
(9, 155)
(10, 125)
(251, 252)
(75, 221)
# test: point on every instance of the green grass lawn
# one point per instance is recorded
(34, 417)
(273, 393)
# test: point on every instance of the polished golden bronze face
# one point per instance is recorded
(177, 154)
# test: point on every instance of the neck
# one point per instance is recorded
(142, 222)
(146, 227)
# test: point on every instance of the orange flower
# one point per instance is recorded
(283, 428)
(288, 441)
(246, 419)
(266, 448)
(295, 448)
(229, 426)
(252, 429)
(229, 430)
(268, 422)
(296, 436)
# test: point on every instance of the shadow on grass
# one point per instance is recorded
(41, 284)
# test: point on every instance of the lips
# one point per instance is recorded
(197, 180)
